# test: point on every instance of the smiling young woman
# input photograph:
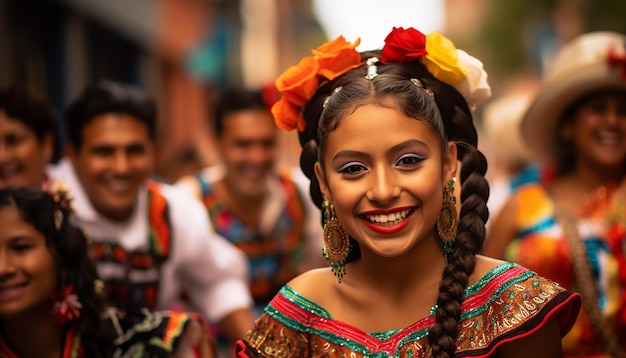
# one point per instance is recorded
(50, 293)
(382, 133)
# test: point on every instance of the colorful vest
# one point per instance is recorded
(541, 246)
(273, 258)
(138, 286)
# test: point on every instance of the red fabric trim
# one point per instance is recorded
(575, 300)
(295, 312)
(342, 329)
(240, 350)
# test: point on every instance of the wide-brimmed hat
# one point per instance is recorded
(591, 62)
(501, 122)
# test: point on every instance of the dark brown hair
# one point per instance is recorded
(449, 116)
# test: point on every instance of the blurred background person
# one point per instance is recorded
(51, 294)
(151, 241)
(573, 229)
(28, 137)
(259, 205)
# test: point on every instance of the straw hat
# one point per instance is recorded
(580, 67)
(501, 122)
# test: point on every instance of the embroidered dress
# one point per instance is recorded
(137, 335)
(508, 303)
(541, 246)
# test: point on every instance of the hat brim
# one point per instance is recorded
(553, 98)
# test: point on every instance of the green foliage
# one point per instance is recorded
(511, 28)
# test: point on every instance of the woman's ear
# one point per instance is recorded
(450, 162)
(321, 179)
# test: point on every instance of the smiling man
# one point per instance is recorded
(261, 207)
(152, 242)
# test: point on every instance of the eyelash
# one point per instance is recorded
(347, 169)
(22, 247)
(415, 160)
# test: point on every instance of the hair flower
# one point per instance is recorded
(337, 57)
(298, 83)
(446, 63)
(474, 87)
(403, 45)
(442, 60)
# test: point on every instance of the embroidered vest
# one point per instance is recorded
(138, 285)
(274, 257)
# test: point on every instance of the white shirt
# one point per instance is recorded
(210, 270)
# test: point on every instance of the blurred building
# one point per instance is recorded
(178, 50)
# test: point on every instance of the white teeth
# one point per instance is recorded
(389, 217)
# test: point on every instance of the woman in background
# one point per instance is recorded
(572, 229)
(50, 301)
(28, 137)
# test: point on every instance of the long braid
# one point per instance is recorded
(452, 120)
(459, 126)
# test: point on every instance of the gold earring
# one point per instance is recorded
(336, 241)
(446, 224)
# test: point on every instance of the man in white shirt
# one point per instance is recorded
(262, 208)
(152, 241)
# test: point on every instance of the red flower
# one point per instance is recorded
(618, 60)
(404, 45)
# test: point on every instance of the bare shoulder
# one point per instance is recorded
(484, 264)
(313, 284)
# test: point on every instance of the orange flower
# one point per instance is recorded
(298, 83)
(337, 57)
(287, 116)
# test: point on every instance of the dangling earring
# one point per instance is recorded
(336, 241)
(446, 224)
(66, 307)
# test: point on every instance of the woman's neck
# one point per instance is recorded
(422, 266)
(20, 332)
(590, 178)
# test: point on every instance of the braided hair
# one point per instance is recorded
(69, 247)
(446, 112)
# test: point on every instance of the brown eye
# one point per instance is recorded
(409, 160)
(352, 169)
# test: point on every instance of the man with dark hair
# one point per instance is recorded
(152, 241)
(262, 208)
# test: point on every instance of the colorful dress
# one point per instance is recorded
(138, 335)
(274, 256)
(508, 303)
(541, 246)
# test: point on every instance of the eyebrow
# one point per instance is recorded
(395, 148)
(18, 238)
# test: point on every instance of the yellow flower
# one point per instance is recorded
(442, 60)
